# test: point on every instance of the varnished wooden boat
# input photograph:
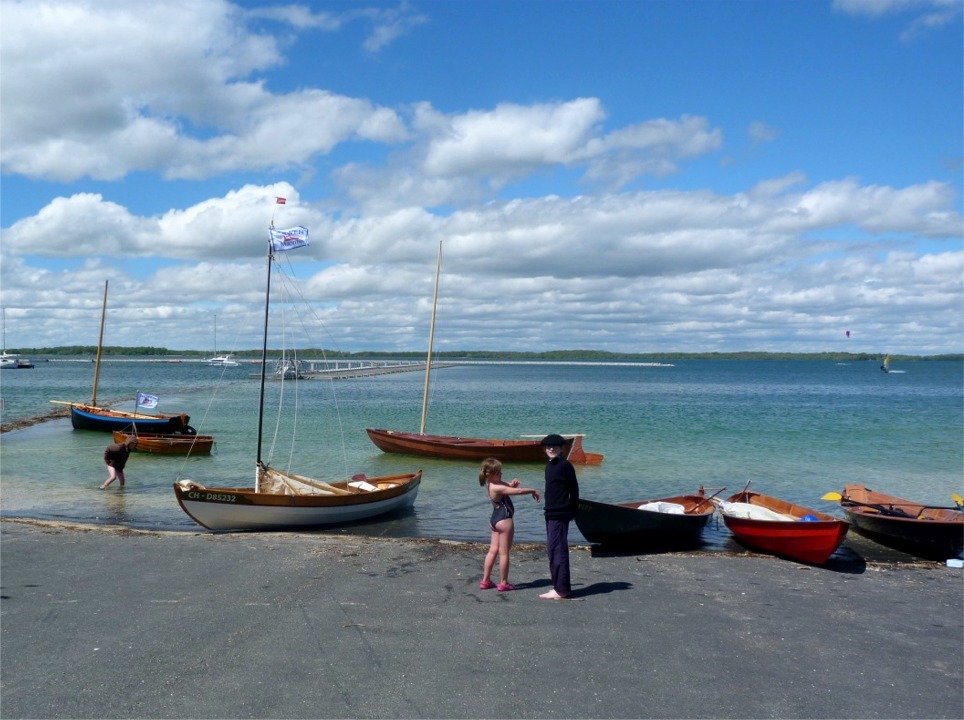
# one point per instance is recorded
(771, 525)
(666, 521)
(922, 530)
(447, 447)
(167, 443)
(281, 499)
(285, 501)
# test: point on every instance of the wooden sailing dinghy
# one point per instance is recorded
(447, 447)
(280, 499)
(452, 447)
(90, 416)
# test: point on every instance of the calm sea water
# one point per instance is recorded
(796, 429)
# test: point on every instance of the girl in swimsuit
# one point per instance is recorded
(503, 527)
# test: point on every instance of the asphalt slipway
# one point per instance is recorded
(113, 623)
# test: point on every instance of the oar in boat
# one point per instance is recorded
(890, 509)
(743, 491)
(697, 506)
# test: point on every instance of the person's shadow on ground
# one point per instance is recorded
(600, 588)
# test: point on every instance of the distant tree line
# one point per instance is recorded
(558, 355)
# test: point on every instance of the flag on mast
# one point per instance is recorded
(289, 239)
(146, 401)
(280, 200)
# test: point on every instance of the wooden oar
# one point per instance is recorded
(697, 506)
(891, 508)
(883, 511)
(743, 491)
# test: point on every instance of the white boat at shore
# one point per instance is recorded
(280, 498)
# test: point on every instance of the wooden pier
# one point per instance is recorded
(347, 369)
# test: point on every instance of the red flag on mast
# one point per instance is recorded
(280, 200)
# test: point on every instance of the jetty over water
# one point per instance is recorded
(345, 369)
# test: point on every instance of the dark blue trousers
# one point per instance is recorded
(557, 547)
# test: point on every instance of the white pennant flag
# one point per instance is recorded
(289, 239)
(146, 401)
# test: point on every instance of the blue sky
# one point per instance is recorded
(643, 176)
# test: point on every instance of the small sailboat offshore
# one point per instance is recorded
(449, 447)
(281, 499)
(885, 367)
(216, 360)
(10, 361)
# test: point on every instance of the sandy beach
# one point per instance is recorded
(114, 623)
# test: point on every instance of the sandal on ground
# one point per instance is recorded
(504, 587)
(486, 585)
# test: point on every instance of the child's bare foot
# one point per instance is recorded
(553, 595)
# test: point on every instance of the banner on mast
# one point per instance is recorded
(146, 401)
(289, 239)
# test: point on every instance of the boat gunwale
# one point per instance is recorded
(915, 510)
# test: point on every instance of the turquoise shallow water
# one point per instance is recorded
(796, 429)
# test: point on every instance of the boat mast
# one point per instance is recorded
(100, 344)
(264, 352)
(431, 340)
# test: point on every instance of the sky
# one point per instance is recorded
(634, 176)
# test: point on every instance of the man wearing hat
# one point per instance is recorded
(561, 498)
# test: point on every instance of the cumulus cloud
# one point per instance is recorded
(633, 270)
(519, 138)
(87, 225)
(105, 89)
(467, 157)
(180, 92)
